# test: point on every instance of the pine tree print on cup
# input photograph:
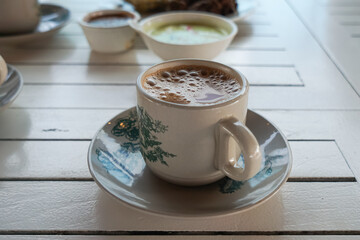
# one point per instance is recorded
(149, 144)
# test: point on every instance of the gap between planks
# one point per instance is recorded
(137, 64)
(291, 179)
(184, 233)
(134, 84)
(123, 109)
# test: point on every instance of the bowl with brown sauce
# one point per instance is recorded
(108, 31)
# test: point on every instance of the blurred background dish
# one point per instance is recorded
(11, 88)
(20, 16)
(108, 31)
(186, 34)
(53, 18)
(236, 10)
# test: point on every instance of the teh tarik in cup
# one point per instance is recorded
(192, 122)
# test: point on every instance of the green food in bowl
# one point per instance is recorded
(188, 34)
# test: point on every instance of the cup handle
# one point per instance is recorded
(231, 127)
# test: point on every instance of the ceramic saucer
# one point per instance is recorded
(11, 88)
(116, 164)
(53, 18)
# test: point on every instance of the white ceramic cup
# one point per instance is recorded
(3, 70)
(109, 39)
(19, 16)
(196, 145)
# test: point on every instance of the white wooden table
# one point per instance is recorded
(302, 58)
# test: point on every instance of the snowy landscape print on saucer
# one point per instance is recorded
(11, 88)
(117, 166)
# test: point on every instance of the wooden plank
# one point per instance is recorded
(313, 124)
(83, 206)
(336, 3)
(119, 96)
(347, 20)
(207, 237)
(352, 29)
(342, 126)
(44, 160)
(53, 124)
(67, 96)
(85, 56)
(83, 123)
(318, 159)
(73, 28)
(61, 42)
(80, 74)
(68, 160)
(79, 41)
(257, 30)
(346, 11)
(345, 56)
(271, 75)
(257, 43)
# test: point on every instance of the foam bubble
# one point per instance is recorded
(194, 74)
(184, 84)
(165, 74)
(182, 72)
(151, 82)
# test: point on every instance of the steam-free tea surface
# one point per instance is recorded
(192, 85)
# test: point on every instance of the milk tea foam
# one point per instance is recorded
(191, 85)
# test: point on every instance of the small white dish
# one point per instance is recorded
(109, 38)
(11, 88)
(117, 166)
(53, 18)
(168, 51)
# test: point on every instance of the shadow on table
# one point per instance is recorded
(14, 128)
(245, 32)
(130, 56)
(112, 214)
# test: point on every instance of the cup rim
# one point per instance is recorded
(3, 70)
(193, 61)
(135, 17)
(234, 28)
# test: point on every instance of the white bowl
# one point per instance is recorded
(109, 39)
(169, 51)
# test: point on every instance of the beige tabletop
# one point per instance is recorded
(302, 59)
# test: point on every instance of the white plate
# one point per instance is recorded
(53, 18)
(11, 88)
(244, 9)
(116, 164)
